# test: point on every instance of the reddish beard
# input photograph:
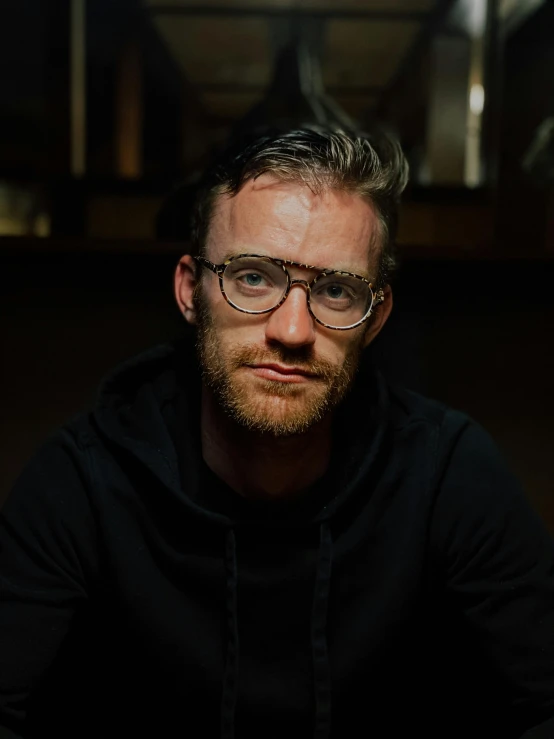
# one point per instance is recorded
(279, 409)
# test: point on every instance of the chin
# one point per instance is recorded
(279, 410)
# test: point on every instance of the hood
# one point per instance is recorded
(149, 406)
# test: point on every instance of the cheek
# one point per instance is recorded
(232, 326)
(336, 346)
(211, 300)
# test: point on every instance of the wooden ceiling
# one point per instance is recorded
(226, 48)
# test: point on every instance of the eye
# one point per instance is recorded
(335, 292)
(253, 279)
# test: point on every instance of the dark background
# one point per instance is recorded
(87, 265)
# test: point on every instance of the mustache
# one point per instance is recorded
(301, 358)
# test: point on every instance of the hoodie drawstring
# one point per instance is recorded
(320, 652)
(318, 632)
(231, 679)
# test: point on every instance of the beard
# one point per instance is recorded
(271, 407)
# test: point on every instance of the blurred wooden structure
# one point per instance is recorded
(165, 82)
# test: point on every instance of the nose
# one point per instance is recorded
(291, 324)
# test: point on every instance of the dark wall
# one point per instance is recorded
(524, 210)
(23, 86)
(477, 335)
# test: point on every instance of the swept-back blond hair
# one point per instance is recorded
(372, 166)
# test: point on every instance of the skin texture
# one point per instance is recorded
(266, 437)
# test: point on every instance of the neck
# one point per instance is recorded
(261, 466)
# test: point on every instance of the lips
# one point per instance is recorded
(281, 373)
(284, 369)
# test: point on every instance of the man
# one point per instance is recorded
(272, 541)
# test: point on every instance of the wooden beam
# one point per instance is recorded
(129, 112)
(435, 22)
(78, 95)
(492, 113)
(321, 13)
(239, 87)
(56, 19)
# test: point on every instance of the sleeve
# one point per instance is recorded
(47, 545)
(498, 567)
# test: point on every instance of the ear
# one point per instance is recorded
(184, 283)
(379, 317)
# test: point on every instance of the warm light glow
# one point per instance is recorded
(22, 212)
(477, 99)
(477, 17)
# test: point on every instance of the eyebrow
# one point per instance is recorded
(229, 255)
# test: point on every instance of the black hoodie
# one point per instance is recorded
(410, 591)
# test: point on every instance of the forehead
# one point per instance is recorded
(267, 216)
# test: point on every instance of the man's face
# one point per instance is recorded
(281, 373)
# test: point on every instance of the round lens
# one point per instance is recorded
(254, 284)
(340, 301)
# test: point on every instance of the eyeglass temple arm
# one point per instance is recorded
(216, 268)
(379, 296)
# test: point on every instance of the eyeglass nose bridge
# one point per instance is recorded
(300, 282)
(305, 284)
(291, 284)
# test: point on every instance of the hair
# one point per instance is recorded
(372, 166)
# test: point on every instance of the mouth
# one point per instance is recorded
(281, 373)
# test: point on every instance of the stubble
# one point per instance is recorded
(270, 407)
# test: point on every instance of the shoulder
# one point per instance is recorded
(475, 501)
(467, 460)
(58, 472)
(447, 424)
(48, 518)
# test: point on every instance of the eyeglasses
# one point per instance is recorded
(256, 284)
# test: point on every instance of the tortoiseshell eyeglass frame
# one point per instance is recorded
(377, 297)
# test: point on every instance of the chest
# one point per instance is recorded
(167, 613)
